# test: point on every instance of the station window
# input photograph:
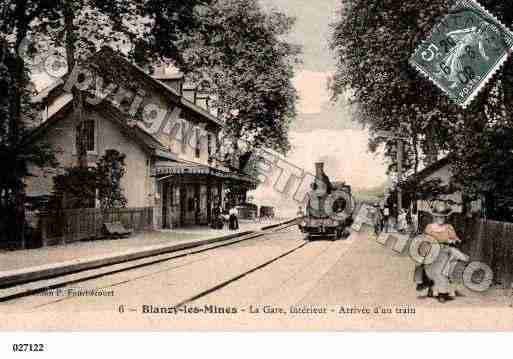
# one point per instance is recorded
(198, 143)
(209, 144)
(85, 133)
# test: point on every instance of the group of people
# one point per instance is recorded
(406, 221)
(225, 218)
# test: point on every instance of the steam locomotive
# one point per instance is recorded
(329, 208)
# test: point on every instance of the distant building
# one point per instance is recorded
(170, 162)
(441, 170)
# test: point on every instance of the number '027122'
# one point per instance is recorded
(28, 347)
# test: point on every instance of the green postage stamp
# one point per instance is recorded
(463, 51)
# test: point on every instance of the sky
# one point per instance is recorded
(323, 131)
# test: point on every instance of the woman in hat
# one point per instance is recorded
(444, 234)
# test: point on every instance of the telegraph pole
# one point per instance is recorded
(399, 141)
(399, 174)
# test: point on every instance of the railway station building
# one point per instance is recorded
(173, 172)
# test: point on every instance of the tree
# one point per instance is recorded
(374, 41)
(15, 110)
(240, 58)
(109, 170)
(171, 21)
(74, 189)
(80, 187)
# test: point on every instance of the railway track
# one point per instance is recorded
(10, 292)
(238, 277)
(287, 273)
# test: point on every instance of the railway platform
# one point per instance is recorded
(84, 250)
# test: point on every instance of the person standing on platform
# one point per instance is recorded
(217, 222)
(402, 223)
(386, 218)
(233, 220)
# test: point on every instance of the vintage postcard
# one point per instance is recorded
(256, 165)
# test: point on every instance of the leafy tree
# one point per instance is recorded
(240, 58)
(74, 189)
(79, 187)
(171, 21)
(15, 112)
(374, 41)
(109, 170)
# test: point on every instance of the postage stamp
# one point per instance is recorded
(464, 51)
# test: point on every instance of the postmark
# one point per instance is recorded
(463, 51)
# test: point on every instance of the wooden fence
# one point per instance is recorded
(76, 224)
(486, 241)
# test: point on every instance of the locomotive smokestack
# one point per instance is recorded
(319, 169)
(320, 175)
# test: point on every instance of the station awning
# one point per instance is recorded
(172, 168)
